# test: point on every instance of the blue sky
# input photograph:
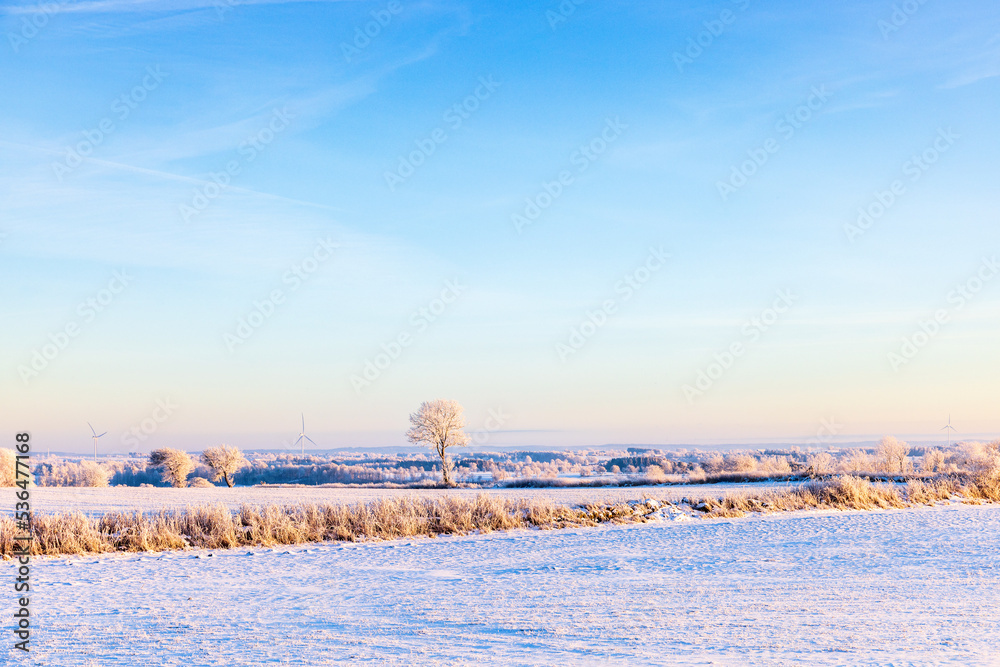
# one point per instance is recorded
(614, 108)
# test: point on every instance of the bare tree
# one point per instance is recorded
(176, 465)
(892, 454)
(438, 424)
(224, 462)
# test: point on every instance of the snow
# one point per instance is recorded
(820, 588)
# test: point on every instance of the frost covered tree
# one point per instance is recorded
(654, 473)
(175, 465)
(857, 461)
(224, 461)
(438, 424)
(92, 474)
(7, 467)
(892, 454)
(933, 461)
(820, 463)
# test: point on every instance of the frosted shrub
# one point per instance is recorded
(741, 463)
(892, 455)
(655, 474)
(933, 461)
(70, 473)
(7, 462)
(821, 463)
(857, 461)
(224, 461)
(175, 465)
(775, 464)
(714, 463)
(92, 474)
(977, 457)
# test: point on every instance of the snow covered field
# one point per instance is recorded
(917, 586)
(50, 499)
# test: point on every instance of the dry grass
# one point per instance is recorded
(844, 493)
(217, 527)
(848, 492)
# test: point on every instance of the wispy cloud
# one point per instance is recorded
(114, 6)
(971, 77)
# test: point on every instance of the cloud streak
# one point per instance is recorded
(119, 6)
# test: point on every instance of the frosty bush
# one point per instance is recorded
(92, 474)
(820, 464)
(857, 461)
(655, 474)
(71, 473)
(892, 455)
(7, 463)
(775, 464)
(741, 463)
(977, 457)
(933, 461)
(224, 461)
(175, 464)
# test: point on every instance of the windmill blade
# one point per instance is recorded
(92, 429)
(299, 440)
(102, 435)
(309, 439)
(303, 422)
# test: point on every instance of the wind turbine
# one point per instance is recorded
(303, 436)
(950, 429)
(95, 436)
